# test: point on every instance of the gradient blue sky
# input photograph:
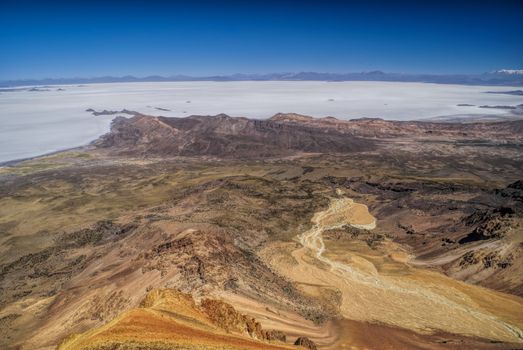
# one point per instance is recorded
(93, 38)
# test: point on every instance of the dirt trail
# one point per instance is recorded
(420, 300)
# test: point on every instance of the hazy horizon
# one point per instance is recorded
(182, 74)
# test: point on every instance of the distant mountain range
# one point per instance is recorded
(507, 77)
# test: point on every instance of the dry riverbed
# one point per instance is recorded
(390, 292)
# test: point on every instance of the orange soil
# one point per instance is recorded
(170, 323)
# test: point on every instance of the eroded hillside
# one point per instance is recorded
(168, 319)
(421, 246)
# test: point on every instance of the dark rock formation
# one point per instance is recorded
(107, 112)
(516, 185)
(493, 225)
(223, 136)
(306, 343)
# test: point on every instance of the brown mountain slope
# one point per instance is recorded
(171, 320)
(376, 127)
(286, 134)
(222, 136)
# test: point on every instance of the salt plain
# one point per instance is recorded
(38, 122)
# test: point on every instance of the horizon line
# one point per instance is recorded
(230, 75)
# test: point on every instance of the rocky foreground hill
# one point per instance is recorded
(213, 232)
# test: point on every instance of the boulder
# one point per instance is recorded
(306, 343)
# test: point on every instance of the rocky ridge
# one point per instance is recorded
(180, 322)
(282, 135)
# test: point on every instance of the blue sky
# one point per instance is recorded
(94, 38)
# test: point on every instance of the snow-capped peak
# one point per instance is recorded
(510, 71)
